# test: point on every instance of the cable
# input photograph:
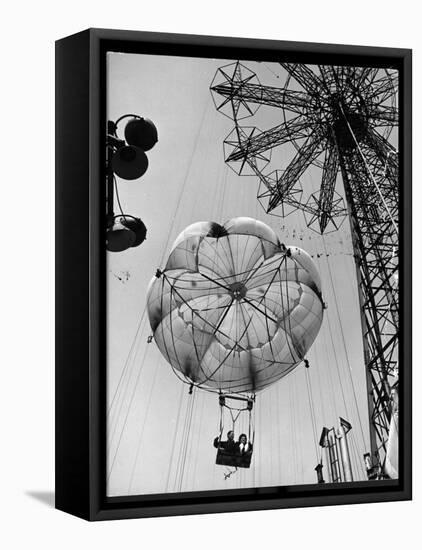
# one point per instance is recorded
(118, 197)
(126, 416)
(311, 407)
(138, 446)
(349, 370)
(186, 440)
(141, 319)
(173, 446)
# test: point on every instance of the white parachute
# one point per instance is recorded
(234, 310)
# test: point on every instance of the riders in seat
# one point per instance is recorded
(234, 453)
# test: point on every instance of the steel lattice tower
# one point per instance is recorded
(340, 119)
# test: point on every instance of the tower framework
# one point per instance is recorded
(342, 120)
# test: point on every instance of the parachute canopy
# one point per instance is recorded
(235, 310)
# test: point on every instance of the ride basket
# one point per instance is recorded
(232, 455)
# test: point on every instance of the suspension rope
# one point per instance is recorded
(293, 432)
(138, 376)
(199, 431)
(311, 407)
(349, 369)
(123, 372)
(181, 447)
(358, 459)
(119, 406)
(173, 446)
(141, 431)
(187, 440)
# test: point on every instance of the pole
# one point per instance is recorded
(110, 188)
(344, 452)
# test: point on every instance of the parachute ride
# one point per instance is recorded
(234, 310)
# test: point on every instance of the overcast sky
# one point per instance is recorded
(152, 447)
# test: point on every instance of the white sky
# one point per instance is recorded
(151, 449)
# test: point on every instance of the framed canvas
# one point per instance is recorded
(233, 274)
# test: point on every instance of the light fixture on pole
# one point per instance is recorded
(126, 159)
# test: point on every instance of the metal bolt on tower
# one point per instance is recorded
(342, 120)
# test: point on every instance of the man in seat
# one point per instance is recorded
(229, 446)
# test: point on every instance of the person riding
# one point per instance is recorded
(229, 446)
(243, 446)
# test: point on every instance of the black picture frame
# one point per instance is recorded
(80, 276)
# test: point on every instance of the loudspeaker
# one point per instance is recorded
(138, 227)
(142, 133)
(129, 162)
(119, 237)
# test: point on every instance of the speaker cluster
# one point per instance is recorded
(126, 159)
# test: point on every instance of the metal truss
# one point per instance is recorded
(339, 119)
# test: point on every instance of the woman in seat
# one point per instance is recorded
(244, 451)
